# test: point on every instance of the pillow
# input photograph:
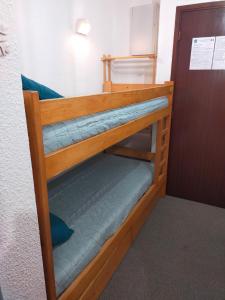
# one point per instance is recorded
(44, 91)
(59, 230)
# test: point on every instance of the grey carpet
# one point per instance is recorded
(179, 255)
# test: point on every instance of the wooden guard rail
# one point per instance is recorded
(109, 86)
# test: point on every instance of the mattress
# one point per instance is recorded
(94, 199)
(63, 134)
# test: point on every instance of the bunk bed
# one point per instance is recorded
(102, 190)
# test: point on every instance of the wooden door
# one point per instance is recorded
(197, 152)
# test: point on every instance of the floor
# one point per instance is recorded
(179, 255)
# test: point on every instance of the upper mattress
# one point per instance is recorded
(63, 134)
(94, 199)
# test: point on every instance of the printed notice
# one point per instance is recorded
(219, 54)
(202, 53)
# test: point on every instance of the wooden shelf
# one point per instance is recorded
(109, 86)
(110, 58)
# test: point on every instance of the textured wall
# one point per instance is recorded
(21, 275)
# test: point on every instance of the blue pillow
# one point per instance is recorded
(59, 230)
(44, 91)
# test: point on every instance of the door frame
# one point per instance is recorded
(179, 11)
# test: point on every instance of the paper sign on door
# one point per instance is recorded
(202, 53)
(219, 54)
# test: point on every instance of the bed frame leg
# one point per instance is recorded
(33, 115)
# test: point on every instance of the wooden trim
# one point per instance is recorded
(92, 280)
(32, 108)
(118, 87)
(63, 159)
(128, 152)
(57, 110)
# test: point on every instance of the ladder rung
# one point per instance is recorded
(165, 131)
(164, 147)
(163, 162)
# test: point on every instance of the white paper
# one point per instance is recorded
(202, 53)
(219, 54)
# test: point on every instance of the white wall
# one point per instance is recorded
(52, 54)
(87, 51)
(70, 64)
(21, 275)
(166, 34)
(44, 32)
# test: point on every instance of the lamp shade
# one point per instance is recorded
(83, 26)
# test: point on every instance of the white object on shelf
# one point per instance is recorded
(144, 29)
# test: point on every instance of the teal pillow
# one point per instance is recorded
(59, 230)
(44, 91)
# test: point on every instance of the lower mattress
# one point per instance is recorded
(94, 199)
(63, 134)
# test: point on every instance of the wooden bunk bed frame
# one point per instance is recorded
(109, 86)
(92, 280)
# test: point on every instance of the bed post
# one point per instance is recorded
(107, 81)
(33, 116)
(104, 70)
(154, 70)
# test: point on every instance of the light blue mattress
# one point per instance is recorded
(94, 199)
(66, 133)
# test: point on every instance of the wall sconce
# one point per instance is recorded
(83, 26)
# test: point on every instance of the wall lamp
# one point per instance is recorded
(83, 26)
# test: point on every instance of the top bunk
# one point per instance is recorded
(71, 130)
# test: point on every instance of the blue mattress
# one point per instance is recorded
(63, 134)
(94, 199)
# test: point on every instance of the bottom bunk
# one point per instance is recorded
(94, 199)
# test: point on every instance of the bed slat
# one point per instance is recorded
(115, 87)
(128, 152)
